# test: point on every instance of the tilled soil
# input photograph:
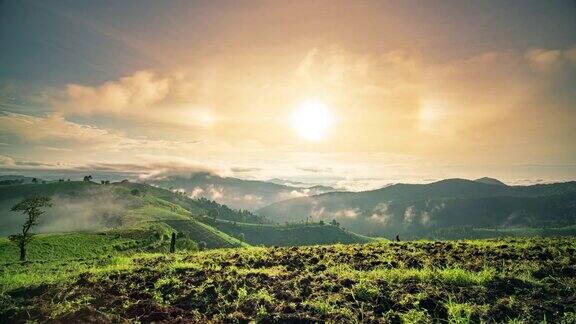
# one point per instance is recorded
(531, 280)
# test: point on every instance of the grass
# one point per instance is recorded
(73, 245)
(526, 280)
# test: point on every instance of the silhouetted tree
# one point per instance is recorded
(88, 178)
(32, 209)
(34, 180)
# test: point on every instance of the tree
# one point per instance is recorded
(32, 209)
(87, 178)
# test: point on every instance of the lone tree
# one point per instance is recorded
(32, 209)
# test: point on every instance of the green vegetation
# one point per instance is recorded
(287, 235)
(515, 280)
(86, 206)
(468, 232)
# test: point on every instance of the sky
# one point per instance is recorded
(355, 94)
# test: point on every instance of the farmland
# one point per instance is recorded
(527, 280)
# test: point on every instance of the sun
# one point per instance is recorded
(312, 120)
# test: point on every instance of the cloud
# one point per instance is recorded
(381, 214)
(244, 169)
(153, 168)
(215, 192)
(315, 169)
(55, 128)
(138, 91)
(170, 98)
(196, 192)
(347, 213)
(255, 199)
(542, 59)
(409, 215)
(6, 161)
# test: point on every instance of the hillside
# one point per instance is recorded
(234, 192)
(515, 281)
(414, 209)
(289, 234)
(90, 207)
(87, 206)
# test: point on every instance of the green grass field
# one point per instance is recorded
(287, 235)
(514, 280)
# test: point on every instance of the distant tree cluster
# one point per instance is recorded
(87, 178)
(218, 211)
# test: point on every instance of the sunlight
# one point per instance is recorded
(312, 120)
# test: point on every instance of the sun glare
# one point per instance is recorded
(312, 120)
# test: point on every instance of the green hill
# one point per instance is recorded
(87, 206)
(287, 235)
(90, 207)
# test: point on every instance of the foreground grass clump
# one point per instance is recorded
(522, 280)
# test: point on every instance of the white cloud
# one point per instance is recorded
(347, 213)
(215, 192)
(6, 161)
(409, 215)
(380, 214)
(140, 90)
(170, 98)
(196, 192)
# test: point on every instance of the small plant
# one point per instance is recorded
(365, 291)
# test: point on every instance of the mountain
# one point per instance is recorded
(415, 209)
(234, 192)
(91, 207)
(488, 180)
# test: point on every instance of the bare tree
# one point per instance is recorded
(32, 209)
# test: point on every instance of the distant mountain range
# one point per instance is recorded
(237, 193)
(421, 208)
(15, 179)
